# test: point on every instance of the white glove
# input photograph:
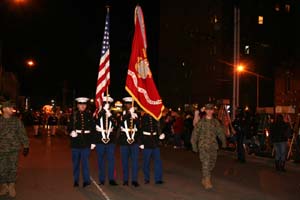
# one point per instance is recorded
(106, 107)
(73, 134)
(131, 110)
(108, 113)
(134, 115)
(162, 136)
(93, 146)
(98, 128)
(142, 146)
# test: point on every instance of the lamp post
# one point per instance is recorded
(239, 69)
(236, 56)
(30, 64)
(257, 91)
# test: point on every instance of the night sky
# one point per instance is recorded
(64, 37)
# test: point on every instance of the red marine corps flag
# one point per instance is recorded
(104, 70)
(139, 82)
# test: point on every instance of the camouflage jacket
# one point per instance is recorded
(12, 134)
(205, 133)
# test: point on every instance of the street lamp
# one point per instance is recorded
(19, 1)
(240, 68)
(30, 63)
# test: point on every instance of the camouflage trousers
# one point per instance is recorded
(8, 167)
(208, 158)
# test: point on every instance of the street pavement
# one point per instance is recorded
(46, 174)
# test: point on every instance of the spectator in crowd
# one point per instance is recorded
(279, 134)
(178, 126)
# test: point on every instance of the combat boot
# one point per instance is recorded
(209, 184)
(206, 182)
(3, 189)
(12, 190)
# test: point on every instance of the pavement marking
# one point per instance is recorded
(100, 189)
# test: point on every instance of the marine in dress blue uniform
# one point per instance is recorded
(81, 128)
(129, 146)
(52, 123)
(105, 142)
(150, 136)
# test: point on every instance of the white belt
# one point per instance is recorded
(101, 130)
(148, 133)
(80, 131)
(130, 137)
(128, 129)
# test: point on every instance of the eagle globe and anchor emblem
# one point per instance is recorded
(142, 67)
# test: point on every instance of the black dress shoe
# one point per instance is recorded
(86, 184)
(125, 183)
(76, 184)
(113, 183)
(135, 184)
(101, 183)
(147, 182)
(159, 182)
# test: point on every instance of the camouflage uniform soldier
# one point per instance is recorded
(204, 141)
(12, 135)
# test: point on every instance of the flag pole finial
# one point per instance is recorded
(107, 7)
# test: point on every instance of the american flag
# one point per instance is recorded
(104, 65)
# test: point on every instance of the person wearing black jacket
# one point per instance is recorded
(105, 142)
(240, 125)
(279, 133)
(128, 140)
(81, 128)
(150, 136)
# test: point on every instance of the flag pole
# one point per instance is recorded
(106, 117)
(107, 92)
(131, 119)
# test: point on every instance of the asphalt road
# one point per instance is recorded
(46, 174)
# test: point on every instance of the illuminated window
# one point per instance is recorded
(247, 49)
(287, 7)
(260, 19)
(214, 19)
(277, 7)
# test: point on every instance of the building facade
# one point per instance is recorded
(196, 49)
(287, 87)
